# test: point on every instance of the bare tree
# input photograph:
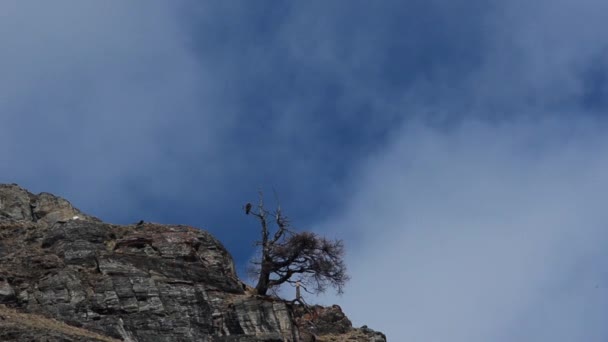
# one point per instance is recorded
(287, 256)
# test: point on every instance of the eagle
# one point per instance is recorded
(247, 208)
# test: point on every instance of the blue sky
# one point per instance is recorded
(456, 146)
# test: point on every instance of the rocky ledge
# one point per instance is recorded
(68, 276)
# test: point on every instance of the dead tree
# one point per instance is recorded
(287, 256)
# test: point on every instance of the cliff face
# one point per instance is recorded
(67, 276)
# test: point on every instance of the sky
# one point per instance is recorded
(457, 147)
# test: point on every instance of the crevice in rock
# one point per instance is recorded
(33, 205)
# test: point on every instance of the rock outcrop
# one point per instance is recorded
(68, 276)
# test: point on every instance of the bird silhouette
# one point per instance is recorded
(247, 208)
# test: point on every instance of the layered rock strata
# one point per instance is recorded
(72, 277)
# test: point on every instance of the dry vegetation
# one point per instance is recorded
(13, 318)
(354, 335)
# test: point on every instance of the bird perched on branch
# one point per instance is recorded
(247, 208)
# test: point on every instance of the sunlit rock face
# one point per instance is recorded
(68, 276)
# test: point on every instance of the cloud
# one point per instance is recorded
(483, 219)
(106, 99)
(479, 235)
(541, 54)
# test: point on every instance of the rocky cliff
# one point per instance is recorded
(68, 276)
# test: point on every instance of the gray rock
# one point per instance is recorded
(14, 202)
(152, 283)
(7, 293)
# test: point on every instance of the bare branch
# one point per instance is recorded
(318, 262)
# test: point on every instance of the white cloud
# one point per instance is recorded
(493, 228)
(486, 232)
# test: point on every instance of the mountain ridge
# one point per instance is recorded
(82, 279)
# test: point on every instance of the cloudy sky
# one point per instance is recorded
(458, 147)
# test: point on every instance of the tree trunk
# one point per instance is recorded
(264, 279)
